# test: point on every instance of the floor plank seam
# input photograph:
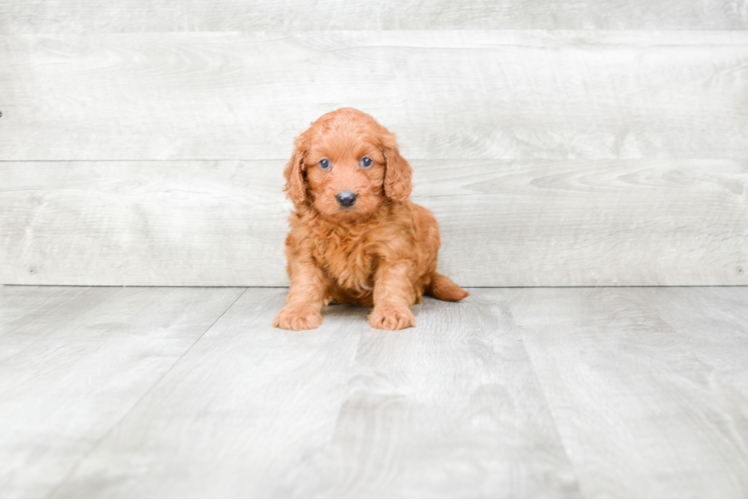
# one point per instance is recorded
(559, 437)
(52, 493)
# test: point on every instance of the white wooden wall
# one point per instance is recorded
(558, 143)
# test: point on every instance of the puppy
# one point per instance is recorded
(355, 235)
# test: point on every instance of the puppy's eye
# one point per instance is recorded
(366, 162)
(324, 164)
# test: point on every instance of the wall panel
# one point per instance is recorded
(504, 223)
(447, 94)
(97, 16)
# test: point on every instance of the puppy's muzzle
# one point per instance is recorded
(346, 198)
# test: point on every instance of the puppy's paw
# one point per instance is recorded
(297, 318)
(391, 317)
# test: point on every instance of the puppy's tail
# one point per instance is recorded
(443, 288)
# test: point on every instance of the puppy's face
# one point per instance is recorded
(346, 166)
(345, 174)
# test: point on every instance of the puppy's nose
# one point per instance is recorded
(346, 198)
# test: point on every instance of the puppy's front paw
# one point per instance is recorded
(297, 318)
(391, 317)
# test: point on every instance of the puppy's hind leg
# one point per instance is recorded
(443, 288)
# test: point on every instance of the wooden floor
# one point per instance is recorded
(561, 392)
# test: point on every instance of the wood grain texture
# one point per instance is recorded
(249, 404)
(144, 223)
(447, 94)
(503, 223)
(80, 16)
(648, 386)
(449, 409)
(15, 306)
(604, 392)
(74, 362)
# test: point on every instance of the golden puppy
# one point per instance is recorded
(355, 235)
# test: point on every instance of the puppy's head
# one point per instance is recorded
(346, 165)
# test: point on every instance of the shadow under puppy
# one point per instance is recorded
(355, 235)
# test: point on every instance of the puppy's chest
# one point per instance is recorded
(349, 261)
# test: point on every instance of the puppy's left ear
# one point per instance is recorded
(397, 173)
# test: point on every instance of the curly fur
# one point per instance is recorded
(381, 251)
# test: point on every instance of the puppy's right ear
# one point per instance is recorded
(295, 187)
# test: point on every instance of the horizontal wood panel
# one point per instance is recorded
(447, 94)
(504, 223)
(144, 223)
(83, 16)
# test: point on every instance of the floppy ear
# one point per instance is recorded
(295, 188)
(397, 173)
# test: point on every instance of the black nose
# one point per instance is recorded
(346, 198)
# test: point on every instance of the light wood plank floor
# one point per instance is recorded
(563, 392)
